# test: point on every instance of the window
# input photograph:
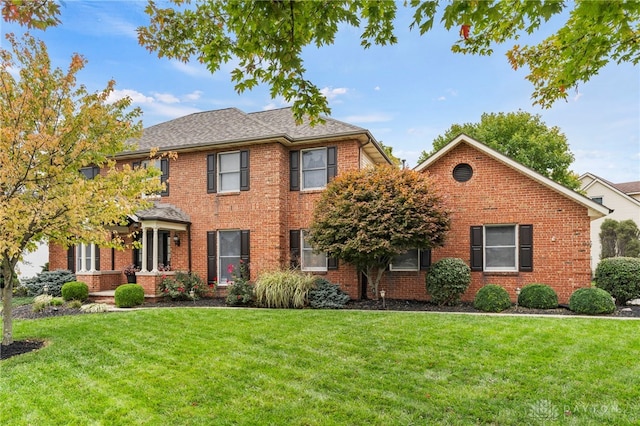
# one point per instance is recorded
(228, 172)
(232, 247)
(83, 263)
(163, 165)
(407, 261)
(312, 168)
(502, 248)
(310, 260)
(411, 260)
(164, 249)
(462, 172)
(598, 200)
(90, 172)
(229, 176)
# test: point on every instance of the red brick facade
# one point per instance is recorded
(269, 210)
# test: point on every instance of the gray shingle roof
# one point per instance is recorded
(232, 125)
(164, 211)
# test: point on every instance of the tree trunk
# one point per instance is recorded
(7, 320)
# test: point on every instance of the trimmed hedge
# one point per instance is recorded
(447, 280)
(620, 276)
(75, 290)
(591, 301)
(492, 298)
(129, 295)
(538, 296)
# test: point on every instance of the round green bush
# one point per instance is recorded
(591, 301)
(447, 280)
(75, 290)
(129, 295)
(492, 298)
(620, 276)
(538, 296)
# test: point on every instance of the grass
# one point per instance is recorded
(305, 367)
(19, 301)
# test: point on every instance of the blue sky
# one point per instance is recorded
(406, 94)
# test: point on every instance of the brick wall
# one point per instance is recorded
(497, 194)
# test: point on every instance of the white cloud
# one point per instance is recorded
(331, 93)
(193, 96)
(166, 98)
(442, 98)
(170, 111)
(136, 97)
(368, 118)
(377, 88)
(192, 69)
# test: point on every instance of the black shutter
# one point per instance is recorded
(294, 170)
(294, 247)
(164, 167)
(526, 248)
(332, 163)
(211, 257)
(476, 248)
(425, 259)
(71, 259)
(244, 246)
(211, 173)
(244, 170)
(332, 263)
(97, 265)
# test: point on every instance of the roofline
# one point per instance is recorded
(598, 179)
(595, 210)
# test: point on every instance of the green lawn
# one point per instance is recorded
(306, 367)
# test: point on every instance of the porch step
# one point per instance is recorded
(108, 297)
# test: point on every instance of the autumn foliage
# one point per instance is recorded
(367, 217)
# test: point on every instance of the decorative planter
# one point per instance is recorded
(131, 279)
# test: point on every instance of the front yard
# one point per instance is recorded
(306, 367)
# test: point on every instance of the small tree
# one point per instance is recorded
(51, 129)
(368, 217)
(619, 239)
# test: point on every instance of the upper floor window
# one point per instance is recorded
(163, 165)
(312, 168)
(90, 172)
(228, 172)
(598, 200)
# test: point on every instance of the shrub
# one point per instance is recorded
(41, 302)
(283, 289)
(74, 304)
(94, 308)
(326, 295)
(447, 280)
(620, 276)
(240, 293)
(129, 295)
(591, 301)
(180, 286)
(538, 296)
(54, 280)
(39, 306)
(57, 301)
(75, 290)
(492, 298)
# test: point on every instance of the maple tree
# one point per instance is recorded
(523, 137)
(268, 38)
(51, 129)
(367, 217)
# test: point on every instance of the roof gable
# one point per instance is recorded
(619, 189)
(595, 210)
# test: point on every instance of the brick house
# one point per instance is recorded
(244, 186)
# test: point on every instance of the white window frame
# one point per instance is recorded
(307, 248)
(401, 268)
(303, 170)
(228, 172)
(515, 246)
(598, 197)
(222, 270)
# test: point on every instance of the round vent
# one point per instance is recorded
(462, 172)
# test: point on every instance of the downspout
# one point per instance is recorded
(189, 245)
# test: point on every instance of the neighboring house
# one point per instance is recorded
(244, 187)
(622, 198)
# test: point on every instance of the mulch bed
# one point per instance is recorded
(26, 312)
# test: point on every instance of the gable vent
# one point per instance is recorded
(462, 172)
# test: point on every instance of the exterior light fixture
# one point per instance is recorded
(176, 239)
